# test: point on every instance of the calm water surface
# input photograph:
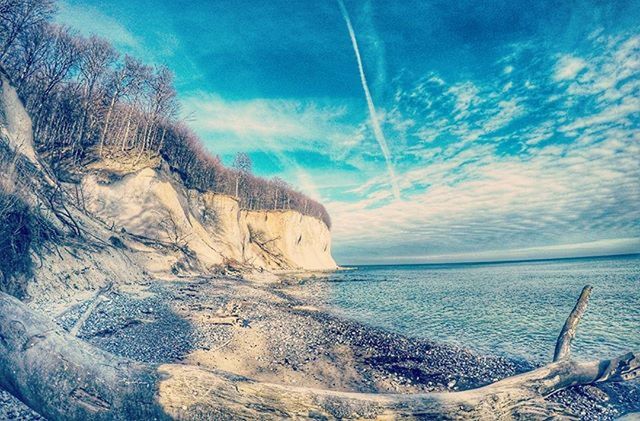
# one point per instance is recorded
(513, 309)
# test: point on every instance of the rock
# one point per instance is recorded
(595, 393)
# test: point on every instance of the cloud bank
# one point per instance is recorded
(512, 165)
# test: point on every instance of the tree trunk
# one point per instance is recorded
(106, 122)
(126, 131)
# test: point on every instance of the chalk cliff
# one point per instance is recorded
(150, 203)
(288, 239)
(123, 223)
(15, 124)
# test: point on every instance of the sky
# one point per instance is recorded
(465, 131)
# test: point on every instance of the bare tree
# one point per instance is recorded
(280, 188)
(18, 16)
(63, 53)
(97, 56)
(125, 80)
(60, 57)
(243, 165)
(161, 105)
(29, 54)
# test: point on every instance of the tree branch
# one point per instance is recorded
(568, 332)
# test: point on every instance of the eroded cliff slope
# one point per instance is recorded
(122, 222)
(150, 203)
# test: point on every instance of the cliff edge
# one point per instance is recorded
(117, 222)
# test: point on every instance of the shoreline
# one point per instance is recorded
(283, 333)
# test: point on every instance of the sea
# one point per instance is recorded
(513, 309)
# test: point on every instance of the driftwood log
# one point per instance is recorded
(568, 332)
(62, 377)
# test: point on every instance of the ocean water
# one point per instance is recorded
(512, 309)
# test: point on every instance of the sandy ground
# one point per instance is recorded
(282, 333)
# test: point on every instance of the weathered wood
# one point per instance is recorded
(62, 377)
(92, 306)
(568, 332)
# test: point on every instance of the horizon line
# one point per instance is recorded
(493, 262)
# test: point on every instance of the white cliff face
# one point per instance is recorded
(289, 240)
(15, 124)
(220, 216)
(148, 203)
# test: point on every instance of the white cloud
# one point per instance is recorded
(611, 70)
(539, 134)
(611, 114)
(268, 124)
(508, 110)
(246, 118)
(568, 67)
(91, 21)
(466, 98)
(281, 128)
(505, 202)
(577, 194)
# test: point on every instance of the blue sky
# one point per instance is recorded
(512, 126)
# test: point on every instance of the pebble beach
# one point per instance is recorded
(282, 333)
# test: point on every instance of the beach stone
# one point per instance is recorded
(595, 393)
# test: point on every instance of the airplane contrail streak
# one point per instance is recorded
(375, 123)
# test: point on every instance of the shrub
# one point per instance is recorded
(23, 233)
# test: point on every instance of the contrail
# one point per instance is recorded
(377, 130)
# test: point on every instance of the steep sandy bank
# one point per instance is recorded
(81, 258)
